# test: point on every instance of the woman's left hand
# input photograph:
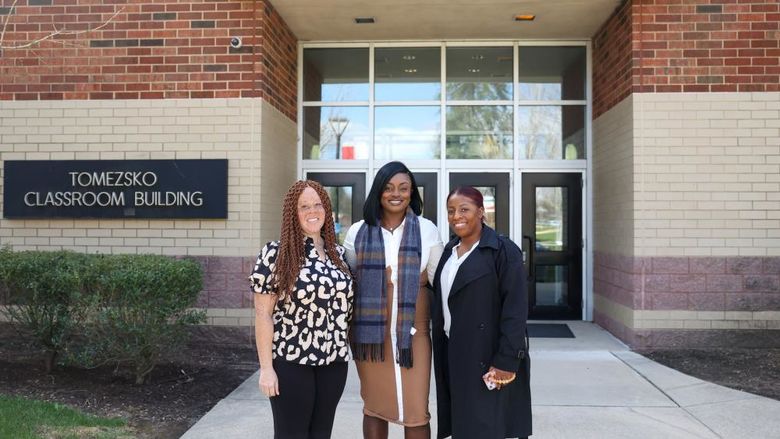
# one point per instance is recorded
(501, 377)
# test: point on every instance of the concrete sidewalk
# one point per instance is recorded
(591, 386)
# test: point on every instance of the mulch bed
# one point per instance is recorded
(751, 370)
(180, 391)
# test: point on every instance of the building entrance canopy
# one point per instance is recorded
(334, 20)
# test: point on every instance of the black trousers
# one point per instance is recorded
(308, 395)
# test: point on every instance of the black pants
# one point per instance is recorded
(307, 399)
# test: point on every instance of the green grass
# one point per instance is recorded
(23, 418)
(547, 235)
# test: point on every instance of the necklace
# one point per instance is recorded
(392, 229)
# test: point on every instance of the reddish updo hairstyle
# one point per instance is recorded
(469, 192)
(472, 194)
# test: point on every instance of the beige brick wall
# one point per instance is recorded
(278, 168)
(687, 319)
(232, 129)
(707, 174)
(613, 197)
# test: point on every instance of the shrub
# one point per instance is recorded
(48, 294)
(144, 309)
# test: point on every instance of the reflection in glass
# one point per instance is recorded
(551, 73)
(552, 132)
(422, 195)
(336, 74)
(551, 285)
(479, 73)
(551, 217)
(335, 133)
(489, 201)
(479, 132)
(341, 202)
(407, 132)
(407, 73)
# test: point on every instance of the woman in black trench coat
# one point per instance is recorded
(479, 310)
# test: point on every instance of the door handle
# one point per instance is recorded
(530, 253)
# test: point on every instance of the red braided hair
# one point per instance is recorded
(291, 255)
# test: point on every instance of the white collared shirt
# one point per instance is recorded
(448, 273)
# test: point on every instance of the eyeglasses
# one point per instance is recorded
(306, 208)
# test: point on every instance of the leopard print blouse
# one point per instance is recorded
(311, 327)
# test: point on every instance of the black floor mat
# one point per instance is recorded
(549, 330)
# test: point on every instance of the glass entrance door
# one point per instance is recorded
(495, 192)
(347, 192)
(552, 244)
(427, 183)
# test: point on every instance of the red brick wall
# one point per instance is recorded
(687, 46)
(688, 284)
(225, 282)
(149, 50)
(737, 283)
(278, 72)
(612, 61)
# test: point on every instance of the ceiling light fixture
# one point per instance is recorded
(473, 70)
(478, 57)
(365, 20)
(409, 57)
(525, 17)
(410, 70)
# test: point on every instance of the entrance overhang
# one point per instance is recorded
(334, 20)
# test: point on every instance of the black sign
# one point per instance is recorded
(115, 189)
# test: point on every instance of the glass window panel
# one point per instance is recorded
(551, 285)
(479, 73)
(479, 132)
(407, 74)
(551, 226)
(552, 132)
(335, 133)
(335, 74)
(489, 201)
(341, 202)
(551, 73)
(407, 132)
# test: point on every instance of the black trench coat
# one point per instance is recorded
(489, 306)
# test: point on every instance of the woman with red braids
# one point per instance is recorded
(303, 306)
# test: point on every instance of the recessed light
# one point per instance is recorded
(410, 70)
(472, 70)
(478, 57)
(364, 20)
(409, 57)
(525, 17)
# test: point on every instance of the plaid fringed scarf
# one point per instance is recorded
(369, 319)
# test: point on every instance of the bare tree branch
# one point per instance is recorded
(5, 23)
(50, 36)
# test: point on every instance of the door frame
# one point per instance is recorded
(337, 178)
(586, 299)
(430, 208)
(510, 196)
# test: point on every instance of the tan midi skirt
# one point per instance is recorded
(398, 394)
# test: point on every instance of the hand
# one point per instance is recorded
(269, 383)
(501, 377)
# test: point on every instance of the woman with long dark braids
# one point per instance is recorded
(303, 306)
